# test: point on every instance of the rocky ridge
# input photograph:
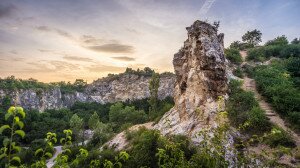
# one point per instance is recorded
(122, 88)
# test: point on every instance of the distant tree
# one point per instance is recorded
(252, 37)
(80, 84)
(280, 40)
(296, 41)
(102, 132)
(94, 119)
(235, 44)
(153, 88)
(76, 124)
(148, 71)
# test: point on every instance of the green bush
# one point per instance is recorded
(281, 51)
(280, 40)
(238, 72)
(275, 83)
(243, 109)
(279, 137)
(233, 55)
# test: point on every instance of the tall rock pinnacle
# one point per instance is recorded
(201, 78)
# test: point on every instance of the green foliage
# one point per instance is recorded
(280, 40)
(153, 88)
(295, 41)
(120, 114)
(43, 153)
(240, 45)
(238, 72)
(76, 124)
(243, 110)
(94, 119)
(275, 83)
(278, 137)
(78, 85)
(233, 55)
(281, 51)
(252, 37)
(11, 83)
(10, 149)
(102, 133)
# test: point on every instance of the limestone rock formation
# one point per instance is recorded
(200, 68)
(121, 88)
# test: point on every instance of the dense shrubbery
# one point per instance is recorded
(11, 83)
(240, 45)
(233, 55)
(58, 120)
(280, 40)
(243, 109)
(281, 51)
(276, 84)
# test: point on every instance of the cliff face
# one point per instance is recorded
(200, 79)
(124, 87)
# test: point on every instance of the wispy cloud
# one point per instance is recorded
(113, 48)
(55, 30)
(76, 58)
(124, 58)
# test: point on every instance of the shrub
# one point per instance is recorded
(276, 85)
(238, 72)
(282, 51)
(243, 109)
(279, 137)
(233, 55)
(280, 40)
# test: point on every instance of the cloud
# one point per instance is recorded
(91, 40)
(76, 58)
(43, 50)
(55, 30)
(6, 10)
(105, 68)
(112, 48)
(124, 58)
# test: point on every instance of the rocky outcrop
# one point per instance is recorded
(121, 88)
(200, 68)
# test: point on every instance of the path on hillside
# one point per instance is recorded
(250, 85)
(50, 162)
(58, 150)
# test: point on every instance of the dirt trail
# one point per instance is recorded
(50, 162)
(250, 85)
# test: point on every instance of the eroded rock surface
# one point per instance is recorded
(122, 88)
(200, 68)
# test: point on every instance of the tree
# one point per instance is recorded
(252, 37)
(153, 88)
(280, 40)
(76, 124)
(235, 45)
(93, 121)
(296, 41)
(10, 148)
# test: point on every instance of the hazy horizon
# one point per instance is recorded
(64, 40)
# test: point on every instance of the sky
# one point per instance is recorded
(64, 40)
